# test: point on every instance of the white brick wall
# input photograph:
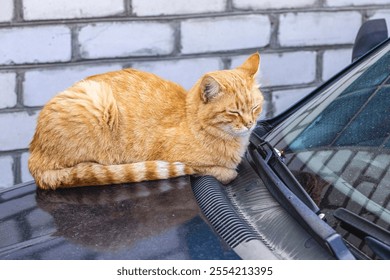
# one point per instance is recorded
(162, 7)
(17, 130)
(225, 33)
(7, 90)
(62, 9)
(284, 69)
(55, 81)
(120, 39)
(6, 178)
(190, 69)
(35, 44)
(334, 61)
(47, 45)
(271, 4)
(300, 29)
(6, 10)
(283, 99)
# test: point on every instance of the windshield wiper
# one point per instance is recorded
(377, 238)
(273, 158)
(291, 195)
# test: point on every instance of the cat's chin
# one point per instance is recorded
(240, 133)
(244, 133)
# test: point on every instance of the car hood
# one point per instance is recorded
(151, 220)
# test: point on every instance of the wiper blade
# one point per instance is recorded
(360, 226)
(377, 238)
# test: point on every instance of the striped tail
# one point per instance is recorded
(94, 174)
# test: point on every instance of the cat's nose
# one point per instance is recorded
(249, 124)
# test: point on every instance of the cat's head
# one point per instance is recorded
(229, 101)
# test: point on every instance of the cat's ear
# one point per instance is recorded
(210, 88)
(251, 65)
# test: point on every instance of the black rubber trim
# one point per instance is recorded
(220, 213)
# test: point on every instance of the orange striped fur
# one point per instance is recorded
(132, 126)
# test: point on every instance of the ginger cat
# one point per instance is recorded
(131, 126)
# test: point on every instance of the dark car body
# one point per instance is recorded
(284, 204)
(152, 220)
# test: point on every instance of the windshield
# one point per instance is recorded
(338, 145)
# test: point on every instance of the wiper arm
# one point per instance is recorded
(274, 160)
(377, 238)
(286, 189)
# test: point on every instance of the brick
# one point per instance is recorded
(161, 7)
(118, 39)
(7, 90)
(63, 9)
(334, 61)
(339, 3)
(283, 99)
(7, 10)
(17, 130)
(284, 69)
(271, 4)
(25, 173)
(184, 72)
(304, 29)
(35, 44)
(225, 33)
(56, 80)
(7, 177)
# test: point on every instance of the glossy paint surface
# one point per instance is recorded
(152, 220)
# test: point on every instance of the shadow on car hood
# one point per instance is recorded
(151, 220)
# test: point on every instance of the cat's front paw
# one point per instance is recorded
(222, 174)
(227, 176)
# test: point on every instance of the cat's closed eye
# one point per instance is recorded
(233, 112)
(256, 107)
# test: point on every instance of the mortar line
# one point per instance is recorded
(16, 168)
(19, 89)
(18, 11)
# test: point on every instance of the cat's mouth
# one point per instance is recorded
(242, 132)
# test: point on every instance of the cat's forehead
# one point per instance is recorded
(246, 100)
(240, 90)
(234, 81)
(243, 99)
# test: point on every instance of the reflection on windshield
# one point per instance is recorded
(338, 145)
